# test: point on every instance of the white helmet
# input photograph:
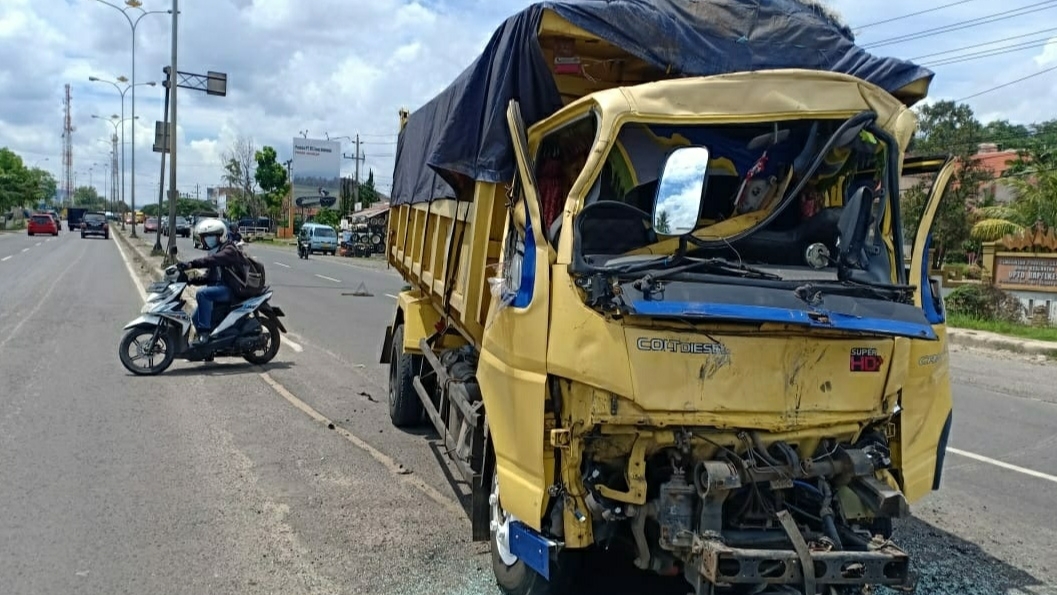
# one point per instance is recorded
(211, 233)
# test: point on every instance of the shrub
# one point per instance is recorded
(985, 302)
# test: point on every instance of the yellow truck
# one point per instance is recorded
(672, 314)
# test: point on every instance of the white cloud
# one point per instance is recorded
(341, 67)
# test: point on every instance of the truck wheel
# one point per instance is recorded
(512, 575)
(405, 410)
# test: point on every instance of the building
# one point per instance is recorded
(219, 195)
(990, 158)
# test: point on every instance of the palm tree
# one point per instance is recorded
(1036, 200)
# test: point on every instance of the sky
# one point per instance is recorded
(346, 67)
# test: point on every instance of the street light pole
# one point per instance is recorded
(171, 130)
(122, 92)
(135, 5)
(168, 84)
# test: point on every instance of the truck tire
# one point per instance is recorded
(512, 575)
(405, 410)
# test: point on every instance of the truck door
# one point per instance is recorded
(924, 421)
(512, 370)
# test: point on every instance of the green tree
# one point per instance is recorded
(271, 177)
(15, 187)
(43, 184)
(1034, 186)
(947, 128)
(368, 195)
(329, 217)
(86, 196)
(663, 226)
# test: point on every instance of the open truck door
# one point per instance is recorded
(924, 421)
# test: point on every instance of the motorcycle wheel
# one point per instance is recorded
(261, 358)
(140, 335)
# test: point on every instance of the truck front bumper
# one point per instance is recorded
(718, 564)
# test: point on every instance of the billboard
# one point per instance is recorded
(317, 173)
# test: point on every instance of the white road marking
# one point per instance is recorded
(997, 463)
(292, 345)
(5, 258)
(283, 265)
(392, 296)
(328, 278)
(404, 474)
(41, 301)
(25, 249)
(39, 243)
(132, 273)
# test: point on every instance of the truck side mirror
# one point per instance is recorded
(681, 191)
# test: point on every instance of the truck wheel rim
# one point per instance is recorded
(500, 526)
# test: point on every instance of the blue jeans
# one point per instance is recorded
(203, 316)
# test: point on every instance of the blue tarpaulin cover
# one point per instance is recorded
(463, 131)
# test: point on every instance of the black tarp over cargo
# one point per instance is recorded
(461, 135)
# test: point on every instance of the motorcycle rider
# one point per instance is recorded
(224, 262)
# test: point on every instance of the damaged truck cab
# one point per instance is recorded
(684, 325)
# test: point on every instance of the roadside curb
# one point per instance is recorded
(986, 340)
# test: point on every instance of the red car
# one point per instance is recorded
(42, 223)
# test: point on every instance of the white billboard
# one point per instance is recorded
(317, 173)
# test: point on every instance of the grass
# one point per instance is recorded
(1021, 331)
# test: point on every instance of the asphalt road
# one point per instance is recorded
(218, 478)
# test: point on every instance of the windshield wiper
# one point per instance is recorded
(717, 266)
(812, 292)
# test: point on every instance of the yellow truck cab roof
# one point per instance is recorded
(765, 95)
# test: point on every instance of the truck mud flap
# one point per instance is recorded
(387, 346)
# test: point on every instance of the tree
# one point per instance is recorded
(1035, 188)
(271, 177)
(43, 184)
(15, 184)
(86, 196)
(947, 128)
(367, 195)
(663, 226)
(328, 217)
(240, 161)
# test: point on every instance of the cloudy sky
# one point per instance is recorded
(345, 67)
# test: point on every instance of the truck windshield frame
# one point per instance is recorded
(726, 168)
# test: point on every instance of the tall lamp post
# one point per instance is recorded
(123, 80)
(131, 5)
(212, 83)
(115, 121)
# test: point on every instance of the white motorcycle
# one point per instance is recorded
(248, 329)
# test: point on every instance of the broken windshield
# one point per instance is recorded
(762, 204)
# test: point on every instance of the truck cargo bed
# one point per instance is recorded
(427, 241)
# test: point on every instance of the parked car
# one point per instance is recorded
(42, 223)
(151, 224)
(95, 224)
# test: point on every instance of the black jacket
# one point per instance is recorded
(225, 267)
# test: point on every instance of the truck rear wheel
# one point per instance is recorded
(513, 576)
(405, 410)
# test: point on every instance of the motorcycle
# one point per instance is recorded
(302, 249)
(249, 329)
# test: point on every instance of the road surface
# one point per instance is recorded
(225, 478)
